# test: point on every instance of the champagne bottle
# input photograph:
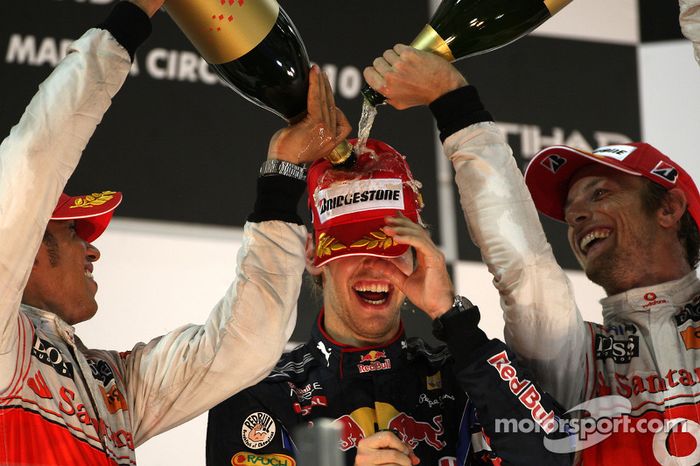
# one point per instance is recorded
(464, 28)
(256, 50)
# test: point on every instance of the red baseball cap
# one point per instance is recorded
(349, 205)
(549, 173)
(91, 212)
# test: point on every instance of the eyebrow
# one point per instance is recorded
(588, 186)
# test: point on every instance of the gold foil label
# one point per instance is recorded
(340, 154)
(224, 30)
(555, 5)
(430, 41)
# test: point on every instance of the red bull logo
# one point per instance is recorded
(372, 356)
(412, 432)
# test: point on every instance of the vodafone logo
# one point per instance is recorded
(652, 300)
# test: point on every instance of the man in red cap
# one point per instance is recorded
(395, 399)
(632, 215)
(62, 403)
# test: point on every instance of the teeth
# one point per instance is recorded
(374, 287)
(596, 234)
(88, 274)
(380, 301)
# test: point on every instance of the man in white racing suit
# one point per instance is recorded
(62, 403)
(632, 216)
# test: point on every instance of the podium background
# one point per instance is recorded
(185, 150)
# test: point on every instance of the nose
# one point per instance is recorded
(576, 213)
(92, 253)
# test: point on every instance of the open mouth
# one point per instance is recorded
(592, 238)
(375, 293)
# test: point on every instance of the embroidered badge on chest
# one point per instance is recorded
(258, 430)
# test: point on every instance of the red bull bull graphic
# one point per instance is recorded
(412, 432)
(351, 432)
(364, 422)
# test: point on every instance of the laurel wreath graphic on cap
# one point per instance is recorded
(375, 239)
(92, 200)
(327, 245)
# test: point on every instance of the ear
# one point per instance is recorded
(310, 253)
(672, 208)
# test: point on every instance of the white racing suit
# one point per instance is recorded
(64, 404)
(646, 350)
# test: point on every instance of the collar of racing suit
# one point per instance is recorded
(668, 295)
(50, 323)
(351, 361)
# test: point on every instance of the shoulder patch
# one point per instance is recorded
(258, 430)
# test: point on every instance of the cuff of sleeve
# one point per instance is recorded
(463, 335)
(277, 199)
(458, 109)
(129, 25)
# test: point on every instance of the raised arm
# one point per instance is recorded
(690, 23)
(542, 323)
(43, 149)
(187, 371)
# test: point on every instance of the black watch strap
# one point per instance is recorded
(282, 167)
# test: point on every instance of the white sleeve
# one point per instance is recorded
(542, 322)
(690, 23)
(38, 157)
(185, 372)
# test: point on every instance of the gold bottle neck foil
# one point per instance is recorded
(223, 31)
(555, 5)
(341, 153)
(430, 41)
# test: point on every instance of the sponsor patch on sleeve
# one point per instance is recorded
(246, 458)
(258, 430)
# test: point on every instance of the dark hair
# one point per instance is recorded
(51, 247)
(652, 199)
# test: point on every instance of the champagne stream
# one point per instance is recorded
(365, 126)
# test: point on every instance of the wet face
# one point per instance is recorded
(362, 308)
(613, 237)
(61, 279)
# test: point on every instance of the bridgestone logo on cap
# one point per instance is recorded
(359, 196)
(619, 152)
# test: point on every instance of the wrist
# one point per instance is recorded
(460, 306)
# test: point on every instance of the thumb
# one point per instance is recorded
(392, 273)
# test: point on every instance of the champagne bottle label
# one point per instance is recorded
(224, 30)
(429, 40)
(555, 5)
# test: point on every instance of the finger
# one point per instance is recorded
(330, 102)
(373, 78)
(392, 273)
(381, 65)
(400, 48)
(384, 439)
(414, 459)
(325, 110)
(313, 97)
(391, 57)
(390, 456)
(343, 126)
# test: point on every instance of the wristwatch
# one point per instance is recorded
(459, 305)
(282, 167)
